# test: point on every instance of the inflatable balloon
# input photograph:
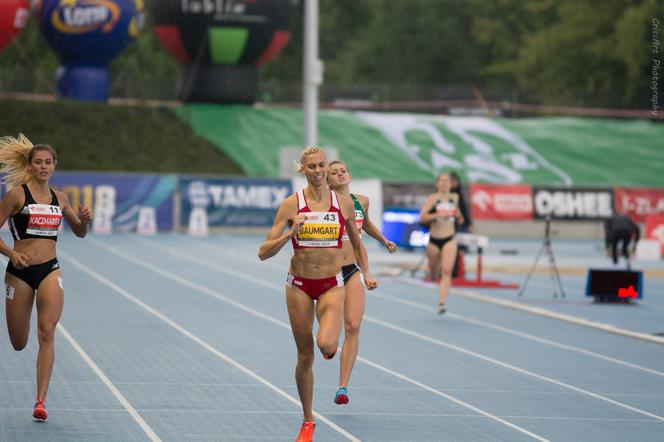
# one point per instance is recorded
(87, 35)
(13, 18)
(221, 43)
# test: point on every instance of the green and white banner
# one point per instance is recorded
(416, 147)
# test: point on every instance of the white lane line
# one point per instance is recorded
(286, 326)
(509, 366)
(200, 341)
(402, 330)
(101, 375)
(546, 313)
(430, 309)
(424, 307)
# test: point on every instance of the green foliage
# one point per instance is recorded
(592, 53)
(408, 41)
(567, 52)
(86, 137)
(144, 68)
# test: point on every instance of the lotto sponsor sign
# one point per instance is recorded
(573, 204)
(639, 203)
(501, 202)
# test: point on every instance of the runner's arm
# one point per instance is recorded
(374, 232)
(278, 236)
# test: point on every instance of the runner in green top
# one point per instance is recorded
(339, 178)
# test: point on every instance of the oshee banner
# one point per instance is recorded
(501, 202)
(237, 202)
(576, 203)
(120, 200)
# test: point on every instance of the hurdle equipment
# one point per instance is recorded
(480, 242)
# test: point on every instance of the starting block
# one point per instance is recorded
(479, 242)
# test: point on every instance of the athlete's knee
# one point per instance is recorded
(46, 331)
(328, 346)
(447, 272)
(352, 328)
(305, 358)
(19, 343)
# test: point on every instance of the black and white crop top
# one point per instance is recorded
(36, 220)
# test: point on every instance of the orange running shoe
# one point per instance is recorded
(330, 356)
(306, 432)
(39, 412)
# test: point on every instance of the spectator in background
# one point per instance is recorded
(35, 212)
(620, 229)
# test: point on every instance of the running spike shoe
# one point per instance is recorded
(341, 398)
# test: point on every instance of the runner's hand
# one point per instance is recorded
(85, 215)
(296, 225)
(19, 260)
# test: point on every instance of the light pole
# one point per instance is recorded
(313, 73)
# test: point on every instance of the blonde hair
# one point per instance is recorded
(309, 150)
(332, 163)
(15, 157)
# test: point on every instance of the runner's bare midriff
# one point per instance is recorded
(38, 250)
(316, 263)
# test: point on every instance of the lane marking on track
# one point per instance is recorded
(428, 308)
(242, 275)
(200, 341)
(286, 326)
(114, 390)
(544, 312)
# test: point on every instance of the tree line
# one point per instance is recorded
(560, 52)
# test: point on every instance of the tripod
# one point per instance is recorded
(555, 275)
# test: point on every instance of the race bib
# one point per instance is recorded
(359, 223)
(43, 219)
(446, 208)
(359, 220)
(320, 229)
